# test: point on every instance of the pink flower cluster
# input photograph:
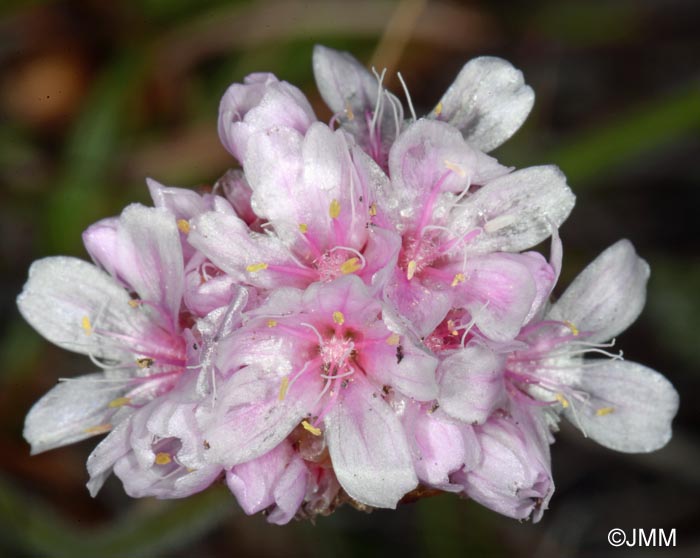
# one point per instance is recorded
(355, 316)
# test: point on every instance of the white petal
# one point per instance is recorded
(228, 242)
(499, 292)
(368, 448)
(249, 419)
(150, 256)
(517, 211)
(488, 102)
(64, 299)
(343, 82)
(630, 409)
(608, 295)
(472, 384)
(70, 411)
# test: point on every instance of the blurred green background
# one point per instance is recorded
(96, 95)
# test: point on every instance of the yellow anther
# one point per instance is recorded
(605, 411)
(459, 278)
(451, 327)
(338, 317)
(99, 429)
(334, 209)
(572, 327)
(119, 402)
(564, 403)
(87, 326)
(283, 388)
(183, 225)
(144, 362)
(307, 426)
(350, 266)
(373, 210)
(303, 228)
(134, 303)
(163, 458)
(348, 112)
(271, 323)
(252, 268)
(393, 339)
(411, 269)
(454, 167)
(438, 109)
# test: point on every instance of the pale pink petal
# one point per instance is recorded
(630, 407)
(488, 102)
(607, 296)
(472, 384)
(368, 447)
(516, 211)
(65, 299)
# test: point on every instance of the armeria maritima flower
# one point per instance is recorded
(357, 315)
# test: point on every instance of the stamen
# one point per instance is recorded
(134, 303)
(87, 326)
(459, 278)
(559, 397)
(184, 226)
(574, 330)
(338, 317)
(454, 167)
(119, 402)
(348, 111)
(271, 323)
(604, 411)
(373, 210)
(307, 426)
(284, 386)
(303, 228)
(350, 266)
(253, 268)
(163, 458)
(145, 362)
(393, 339)
(334, 209)
(408, 96)
(411, 269)
(498, 223)
(99, 429)
(438, 109)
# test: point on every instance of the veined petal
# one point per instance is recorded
(488, 102)
(253, 482)
(403, 366)
(630, 409)
(471, 384)
(368, 448)
(72, 411)
(607, 296)
(261, 103)
(252, 420)
(515, 211)
(421, 307)
(343, 82)
(100, 240)
(65, 298)
(150, 256)
(427, 159)
(244, 255)
(499, 292)
(437, 445)
(183, 203)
